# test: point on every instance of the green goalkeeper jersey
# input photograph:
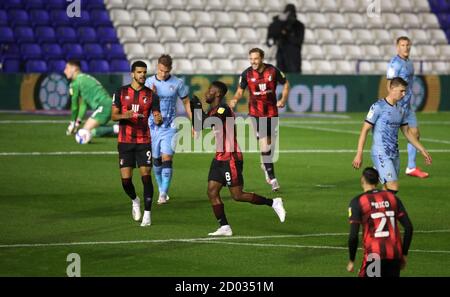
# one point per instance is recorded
(86, 90)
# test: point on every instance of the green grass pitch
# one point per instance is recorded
(54, 205)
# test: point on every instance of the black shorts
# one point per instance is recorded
(388, 268)
(264, 127)
(228, 173)
(132, 154)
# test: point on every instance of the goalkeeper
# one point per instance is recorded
(86, 91)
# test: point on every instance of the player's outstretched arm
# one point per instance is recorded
(187, 107)
(358, 160)
(237, 96)
(284, 95)
(416, 143)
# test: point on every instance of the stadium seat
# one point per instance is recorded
(52, 51)
(56, 65)
(157, 5)
(92, 51)
(418, 36)
(403, 6)
(187, 34)
(24, 34)
(328, 6)
(337, 20)
(253, 5)
(84, 20)
(60, 18)
(396, 33)
(241, 19)
(333, 52)
(9, 51)
(240, 65)
(271, 6)
(182, 18)
(140, 18)
(99, 66)
(33, 4)
(317, 20)
(343, 36)
(135, 51)
(39, 17)
(94, 4)
(55, 4)
(444, 51)
(214, 5)
(371, 51)
(66, 35)
(437, 37)
(352, 52)
(36, 66)
(167, 34)
(421, 6)
(11, 66)
(18, 17)
(234, 5)
(161, 18)
(3, 18)
(321, 66)
(388, 51)
(429, 21)
(441, 67)
(183, 66)
(259, 19)
(203, 66)
(223, 66)
(348, 6)
(375, 23)
(324, 36)
(176, 5)
(247, 35)
(45, 34)
(136, 4)
(410, 21)
(176, 50)
(202, 18)
(6, 35)
(222, 19)
(100, 18)
(113, 51)
(227, 35)
(235, 51)
(147, 34)
(207, 34)
(312, 51)
(261, 33)
(309, 37)
(154, 50)
(84, 66)
(119, 66)
(365, 67)
(342, 67)
(215, 50)
(115, 4)
(355, 21)
(391, 20)
(127, 34)
(308, 6)
(106, 35)
(121, 17)
(193, 4)
(87, 35)
(382, 36)
(307, 67)
(73, 51)
(196, 50)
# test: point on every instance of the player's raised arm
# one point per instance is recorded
(358, 160)
(416, 143)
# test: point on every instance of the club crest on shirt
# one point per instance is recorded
(349, 212)
(145, 100)
(220, 110)
(127, 97)
(121, 162)
(253, 79)
(172, 88)
(270, 77)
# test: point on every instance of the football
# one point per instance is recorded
(83, 136)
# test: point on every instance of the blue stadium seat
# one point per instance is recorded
(66, 35)
(87, 35)
(40, 17)
(119, 66)
(30, 51)
(73, 51)
(3, 18)
(45, 34)
(12, 4)
(36, 66)
(107, 35)
(60, 18)
(83, 20)
(10, 51)
(18, 17)
(93, 51)
(6, 35)
(100, 18)
(444, 20)
(11, 65)
(24, 34)
(56, 65)
(34, 4)
(114, 51)
(84, 66)
(56, 4)
(52, 51)
(93, 4)
(98, 66)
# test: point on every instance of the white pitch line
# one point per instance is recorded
(299, 151)
(353, 132)
(34, 122)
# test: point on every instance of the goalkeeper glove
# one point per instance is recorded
(73, 127)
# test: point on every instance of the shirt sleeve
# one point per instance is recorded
(148, 83)
(404, 119)
(116, 102)
(243, 80)
(74, 91)
(155, 102)
(373, 114)
(393, 70)
(281, 77)
(182, 90)
(354, 212)
(401, 211)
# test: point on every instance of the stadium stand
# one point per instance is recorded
(202, 34)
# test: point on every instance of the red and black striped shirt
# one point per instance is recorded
(378, 212)
(142, 102)
(227, 147)
(262, 88)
